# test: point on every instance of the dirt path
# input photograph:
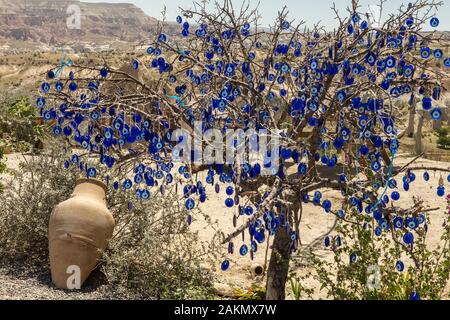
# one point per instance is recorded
(36, 285)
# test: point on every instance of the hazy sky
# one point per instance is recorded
(310, 11)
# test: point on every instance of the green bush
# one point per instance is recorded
(2, 166)
(35, 188)
(255, 292)
(152, 254)
(442, 132)
(443, 141)
(374, 274)
(20, 129)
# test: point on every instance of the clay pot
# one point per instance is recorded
(256, 270)
(79, 230)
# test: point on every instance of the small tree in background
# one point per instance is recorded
(325, 100)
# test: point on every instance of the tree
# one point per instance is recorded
(314, 107)
(412, 117)
(418, 139)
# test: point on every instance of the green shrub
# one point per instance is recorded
(374, 274)
(152, 254)
(442, 132)
(255, 292)
(443, 142)
(298, 290)
(36, 187)
(2, 166)
(20, 129)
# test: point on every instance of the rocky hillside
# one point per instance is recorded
(45, 21)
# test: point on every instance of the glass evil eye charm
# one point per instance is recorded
(135, 64)
(438, 54)
(45, 87)
(243, 250)
(229, 202)
(395, 195)
(127, 184)
(51, 74)
(398, 223)
(190, 203)
(440, 191)
(378, 231)
(414, 296)
(73, 86)
(40, 102)
(399, 266)
(434, 22)
(225, 265)
(425, 53)
(436, 114)
(91, 173)
(59, 86)
(326, 241)
(104, 72)
(162, 37)
(408, 238)
(447, 62)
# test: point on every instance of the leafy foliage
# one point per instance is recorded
(443, 138)
(20, 127)
(377, 272)
(149, 255)
(2, 166)
(298, 290)
(255, 292)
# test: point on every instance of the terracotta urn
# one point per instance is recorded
(79, 231)
(256, 270)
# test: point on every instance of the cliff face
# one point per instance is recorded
(45, 21)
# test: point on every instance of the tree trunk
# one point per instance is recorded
(412, 115)
(437, 124)
(447, 110)
(277, 272)
(447, 113)
(419, 148)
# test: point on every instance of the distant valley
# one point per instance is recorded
(42, 25)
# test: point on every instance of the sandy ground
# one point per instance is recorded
(314, 226)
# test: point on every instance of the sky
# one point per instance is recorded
(310, 11)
